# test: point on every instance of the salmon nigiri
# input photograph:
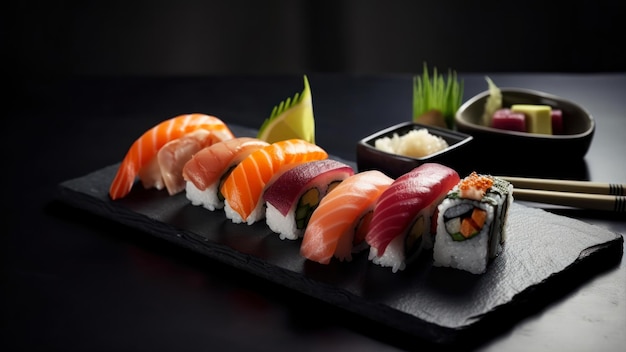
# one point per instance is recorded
(402, 220)
(243, 188)
(338, 225)
(205, 172)
(145, 148)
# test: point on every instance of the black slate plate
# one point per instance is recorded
(543, 251)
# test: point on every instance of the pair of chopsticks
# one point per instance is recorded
(577, 194)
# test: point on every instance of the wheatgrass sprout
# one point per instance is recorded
(444, 95)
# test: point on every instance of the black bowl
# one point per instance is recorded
(368, 157)
(573, 143)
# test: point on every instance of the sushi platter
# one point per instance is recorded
(545, 256)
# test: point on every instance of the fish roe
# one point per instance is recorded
(475, 186)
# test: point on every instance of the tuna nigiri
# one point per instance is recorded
(146, 147)
(339, 224)
(205, 172)
(243, 188)
(401, 222)
(292, 197)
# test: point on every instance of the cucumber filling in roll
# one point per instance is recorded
(415, 236)
(464, 221)
(308, 202)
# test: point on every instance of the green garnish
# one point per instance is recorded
(443, 95)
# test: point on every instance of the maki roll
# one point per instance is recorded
(404, 215)
(296, 193)
(471, 223)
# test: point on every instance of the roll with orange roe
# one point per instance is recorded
(471, 223)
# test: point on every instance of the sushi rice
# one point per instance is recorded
(207, 198)
(257, 214)
(393, 257)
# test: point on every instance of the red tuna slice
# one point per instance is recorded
(286, 190)
(557, 121)
(397, 207)
(505, 119)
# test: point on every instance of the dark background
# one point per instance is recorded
(192, 38)
(77, 283)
